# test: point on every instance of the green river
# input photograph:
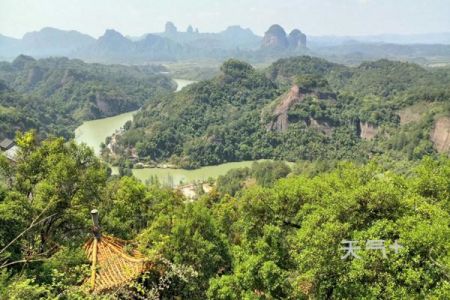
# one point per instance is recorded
(94, 132)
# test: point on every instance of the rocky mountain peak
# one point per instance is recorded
(170, 28)
(112, 37)
(297, 39)
(111, 33)
(275, 38)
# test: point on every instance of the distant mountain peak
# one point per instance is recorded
(112, 36)
(52, 41)
(276, 29)
(54, 32)
(170, 28)
(112, 33)
(297, 39)
(235, 27)
(275, 38)
(22, 60)
(114, 41)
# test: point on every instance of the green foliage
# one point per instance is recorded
(310, 217)
(233, 69)
(285, 70)
(267, 172)
(54, 95)
(261, 234)
(310, 83)
(231, 117)
(129, 206)
(26, 289)
(385, 78)
(263, 173)
(278, 241)
(233, 181)
(189, 237)
(199, 112)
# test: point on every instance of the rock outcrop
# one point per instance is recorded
(170, 28)
(275, 38)
(102, 104)
(440, 135)
(280, 114)
(324, 127)
(367, 131)
(296, 39)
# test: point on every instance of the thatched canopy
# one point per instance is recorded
(113, 265)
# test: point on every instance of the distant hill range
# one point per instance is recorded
(235, 41)
(112, 46)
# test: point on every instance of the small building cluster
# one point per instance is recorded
(9, 149)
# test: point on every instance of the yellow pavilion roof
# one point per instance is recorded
(113, 265)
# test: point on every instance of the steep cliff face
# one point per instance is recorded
(280, 114)
(440, 134)
(367, 131)
(296, 39)
(322, 126)
(275, 38)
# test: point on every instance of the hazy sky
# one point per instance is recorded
(314, 17)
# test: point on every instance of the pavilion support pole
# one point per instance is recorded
(96, 231)
(94, 264)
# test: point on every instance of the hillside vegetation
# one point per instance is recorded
(54, 95)
(300, 108)
(365, 140)
(275, 240)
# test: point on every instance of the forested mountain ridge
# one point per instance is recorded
(175, 45)
(55, 94)
(332, 112)
(192, 120)
(54, 42)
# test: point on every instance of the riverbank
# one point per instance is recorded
(94, 132)
(175, 177)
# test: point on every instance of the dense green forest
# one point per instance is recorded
(276, 239)
(299, 108)
(365, 141)
(54, 95)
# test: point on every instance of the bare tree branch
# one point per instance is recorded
(33, 224)
(22, 261)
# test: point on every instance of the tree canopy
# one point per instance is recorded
(249, 114)
(275, 239)
(55, 95)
